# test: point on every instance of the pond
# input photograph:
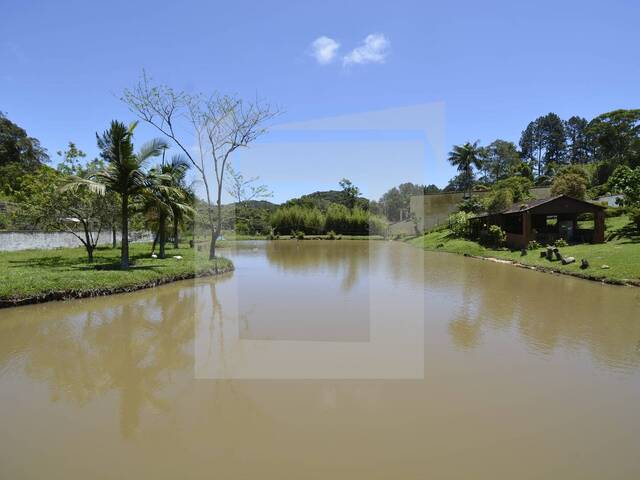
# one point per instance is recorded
(320, 359)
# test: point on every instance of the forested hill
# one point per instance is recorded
(322, 200)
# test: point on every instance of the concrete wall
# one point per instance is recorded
(434, 209)
(406, 227)
(14, 241)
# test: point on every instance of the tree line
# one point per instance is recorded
(121, 187)
(547, 146)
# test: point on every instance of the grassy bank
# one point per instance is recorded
(621, 253)
(32, 276)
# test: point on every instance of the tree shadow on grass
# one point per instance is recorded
(39, 262)
(100, 263)
(630, 233)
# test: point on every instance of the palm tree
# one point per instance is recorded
(162, 200)
(465, 157)
(177, 171)
(124, 172)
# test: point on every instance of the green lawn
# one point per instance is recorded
(621, 252)
(65, 273)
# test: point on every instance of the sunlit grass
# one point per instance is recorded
(41, 273)
(621, 253)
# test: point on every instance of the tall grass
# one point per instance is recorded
(338, 219)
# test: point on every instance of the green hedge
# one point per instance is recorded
(338, 219)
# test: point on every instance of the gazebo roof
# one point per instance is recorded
(533, 204)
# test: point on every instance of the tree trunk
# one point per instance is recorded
(162, 233)
(88, 242)
(176, 240)
(124, 249)
(114, 242)
(212, 247)
(155, 241)
(215, 232)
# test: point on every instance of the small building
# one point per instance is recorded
(433, 209)
(611, 200)
(547, 220)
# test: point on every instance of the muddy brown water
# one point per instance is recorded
(342, 359)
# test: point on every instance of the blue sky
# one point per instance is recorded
(495, 66)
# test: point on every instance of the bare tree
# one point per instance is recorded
(243, 190)
(218, 125)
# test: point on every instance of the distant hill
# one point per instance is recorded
(261, 204)
(322, 200)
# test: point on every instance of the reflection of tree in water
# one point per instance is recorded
(547, 312)
(347, 258)
(129, 348)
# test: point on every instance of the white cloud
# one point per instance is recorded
(324, 49)
(374, 49)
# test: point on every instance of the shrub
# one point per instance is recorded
(634, 214)
(496, 236)
(534, 245)
(614, 212)
(561, 242)
(572, 184)
(357, 221)
(471, 205)
(626, 181)
(459, 224)
(377, 225)
(338, 219)
(499, 200)
(518, 186)
(299, 235)
(331, 235)
(297, 219)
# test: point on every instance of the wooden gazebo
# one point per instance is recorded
(546, 221)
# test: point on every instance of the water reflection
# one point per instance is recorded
(126, 345)
(508, 354)
(547, 312)
(350, 261)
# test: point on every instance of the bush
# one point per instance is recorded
(614, 212)
(358, 221)
(297, 219)
(331, 235)
(571, 184)
(534, 245)
(338, 219)
(459, 224)
(634, 214)
(561, 242)
(471, 205)
(299, 235)
(499, 200)
(626, 181)
(496, 236)
(377, 225)
(518, 186)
